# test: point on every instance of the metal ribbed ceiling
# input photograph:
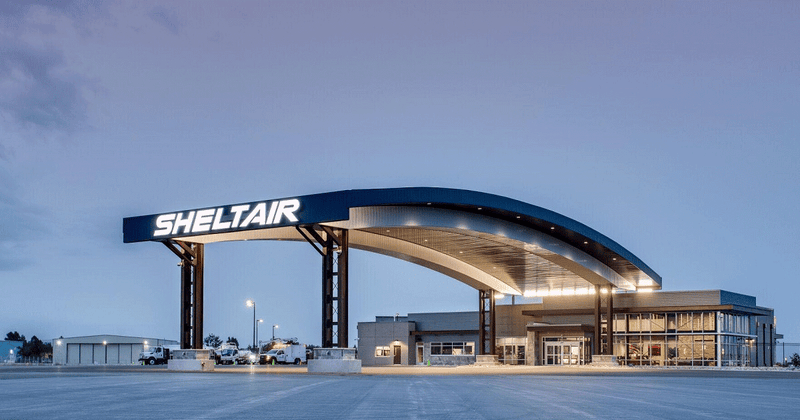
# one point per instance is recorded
(522, 269)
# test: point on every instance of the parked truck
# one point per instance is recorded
(228, 356)
(294, 353)
(156, 355)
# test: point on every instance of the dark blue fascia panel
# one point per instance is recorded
(334, 206)
(318, 208)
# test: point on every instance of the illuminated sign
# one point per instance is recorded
(241, 216)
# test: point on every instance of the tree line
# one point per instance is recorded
(33, 348)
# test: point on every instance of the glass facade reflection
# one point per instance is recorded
(708, 338)
(510, 350)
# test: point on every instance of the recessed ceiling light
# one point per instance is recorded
(518, 217)
(585, 242)
(614, 259)
(460, 252)
(480, 208)
(552, 227)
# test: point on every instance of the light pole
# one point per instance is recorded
(252, 303)
(260, 321)
(273, 331)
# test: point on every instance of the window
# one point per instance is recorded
(452, 349)
(382, 351)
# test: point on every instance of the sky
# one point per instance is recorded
(670, 127)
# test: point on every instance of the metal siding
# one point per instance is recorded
(650, 300)
(99, 354)
(113, 354)
(445, 321)
(86, 354)
(73, 354)
(730, 298)
(125, 354)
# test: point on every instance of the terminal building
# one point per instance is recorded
(695, 328)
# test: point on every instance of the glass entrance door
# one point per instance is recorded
(563, 353)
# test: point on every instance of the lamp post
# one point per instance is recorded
(260, 321)
(252, 303)
(273, 330)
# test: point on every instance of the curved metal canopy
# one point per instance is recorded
(483, 240)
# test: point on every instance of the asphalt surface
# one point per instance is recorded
(289, 392)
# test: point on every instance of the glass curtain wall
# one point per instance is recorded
(510, 350)
(682, 339)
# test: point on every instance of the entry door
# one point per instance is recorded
(397, 353)
(570, 354)
(552, 353)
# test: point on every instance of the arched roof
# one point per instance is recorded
(484, 240)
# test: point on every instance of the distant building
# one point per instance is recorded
(694, 328)
(9, 350)
(102, 349)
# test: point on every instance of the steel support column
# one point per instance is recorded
(197, 293)
(327, 294)
(609, 322)
(332, 245)
(486, 327)
(191, 316)
(341, 278)
(186, 304)
(597, 340)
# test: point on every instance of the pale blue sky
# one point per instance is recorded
(670, 127)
